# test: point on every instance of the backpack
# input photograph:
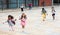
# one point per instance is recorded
(13, 22)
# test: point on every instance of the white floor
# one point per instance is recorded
(34, 25)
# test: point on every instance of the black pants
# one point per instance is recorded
(21, 9)
(30, 7)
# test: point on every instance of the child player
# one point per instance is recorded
(43, 14)
(23, 20)
(53, 13)
(11, 22)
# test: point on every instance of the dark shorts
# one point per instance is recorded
(21, 9)
(53, 14)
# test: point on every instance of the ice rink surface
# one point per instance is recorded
(34, 25)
